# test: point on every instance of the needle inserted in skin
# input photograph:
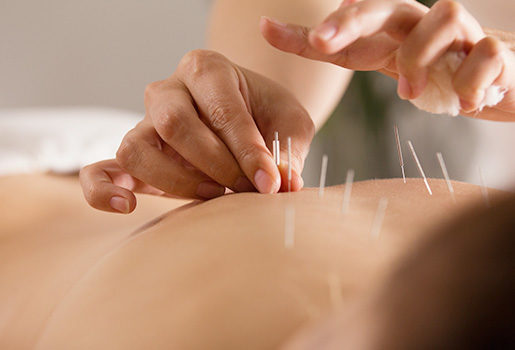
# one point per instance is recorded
(348, 190)
(446, 175)
(323, 174)
(484, 190)
(289, 227)
(379, 217)
(276, 149)
(420, 170)
(399, 151)
(289, 164)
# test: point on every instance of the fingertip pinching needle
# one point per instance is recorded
(276, 149)
(289, 163)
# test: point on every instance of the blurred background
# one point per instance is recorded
(73, 75)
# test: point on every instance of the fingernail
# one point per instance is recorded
(467, 106)
(243, 185)
(274, 21)
(404, 88)
(326, 31)
(264, 182)
(119, 204)
(209, 189)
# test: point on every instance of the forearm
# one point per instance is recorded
(234, 32)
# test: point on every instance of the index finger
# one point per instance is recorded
(222, 97)
(363, 19)
(294, 39)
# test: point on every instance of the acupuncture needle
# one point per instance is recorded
(323, 174)
(399, 152)
(420, 170)
(289, 226)
(446, 175)
(276, 149)
(289, 163)
(348, 190)
(379, 217)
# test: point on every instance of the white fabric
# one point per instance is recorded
(60, 140)
(439, 97)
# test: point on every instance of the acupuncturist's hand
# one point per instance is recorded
(208, 127)
(402, 38)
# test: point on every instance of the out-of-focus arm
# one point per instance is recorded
(234, 32)
(507, 37)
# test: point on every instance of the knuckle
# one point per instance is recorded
(302, 48)
(199, 61)
(92, 194)
(220, 117)
(151, 90)
(247, 153)
(449, 11)
(170, 123)
(401, 24)
(407, 60)
(128, 155)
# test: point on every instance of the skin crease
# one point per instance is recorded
(317, 86)
(398, 38)
(170, 108)
(43, 219)
(407, 38)
(49, 237)
(191, 278)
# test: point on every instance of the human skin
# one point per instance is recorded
(453, 289)
(210, 125)
(213, 274)
(402, 39)
(316, 85)
(49, 237)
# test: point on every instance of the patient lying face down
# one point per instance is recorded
(218, 275)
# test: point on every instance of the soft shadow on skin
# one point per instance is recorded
(140, 231)
(160, 218)
(171, 214)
